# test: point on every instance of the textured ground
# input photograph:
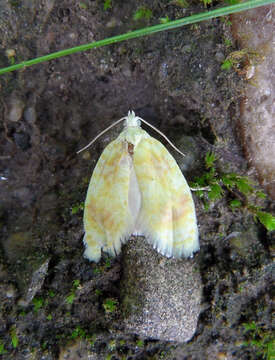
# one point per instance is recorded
(56, 305)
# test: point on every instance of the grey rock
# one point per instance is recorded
(11, 291)
(160, 296)
(258, 110)
(73, 351)
(36, 282)
(15, 108)
(22, 140)
(17, 245)
(30, 115)
(79, 349)
(251, 290)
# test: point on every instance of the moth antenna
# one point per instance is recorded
(101, 133)
(205, 188)
(165, 137)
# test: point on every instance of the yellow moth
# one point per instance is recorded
(137, 188)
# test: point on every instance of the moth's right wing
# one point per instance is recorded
(167, 217)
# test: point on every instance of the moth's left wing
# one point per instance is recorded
(167, 217)
(107, 219)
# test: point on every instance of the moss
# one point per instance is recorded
(258, 338)
(15, 3)
(220, 184)
(110, 305)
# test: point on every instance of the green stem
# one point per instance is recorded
(251, 4)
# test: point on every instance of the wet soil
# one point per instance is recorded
(53, 301)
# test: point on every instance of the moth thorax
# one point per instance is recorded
(132, 120)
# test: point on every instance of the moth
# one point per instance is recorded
(137, 188)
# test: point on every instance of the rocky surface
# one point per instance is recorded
(160, 297)
(255, 31)
(174, 80)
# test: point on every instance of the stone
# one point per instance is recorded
(17, 245)
(15, 108)
(77, 350)
(254, 30)
(30, 115)
(37, 281)
(160, 296)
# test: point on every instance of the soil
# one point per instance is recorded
(53, 301)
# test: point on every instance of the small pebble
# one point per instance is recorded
(16, 107)
(30, 115)
(10, 292)
(22, 140)
(10, 53)
(22, 302)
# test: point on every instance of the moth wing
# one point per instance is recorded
(167, 217)
(107, 221)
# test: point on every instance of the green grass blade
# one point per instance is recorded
(251, 4)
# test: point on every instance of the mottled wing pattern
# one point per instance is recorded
(107, 221)
(167, 216)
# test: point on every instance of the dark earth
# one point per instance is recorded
(54, 304)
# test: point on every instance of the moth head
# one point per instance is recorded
(132, 120)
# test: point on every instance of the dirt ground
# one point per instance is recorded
(54, 303)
